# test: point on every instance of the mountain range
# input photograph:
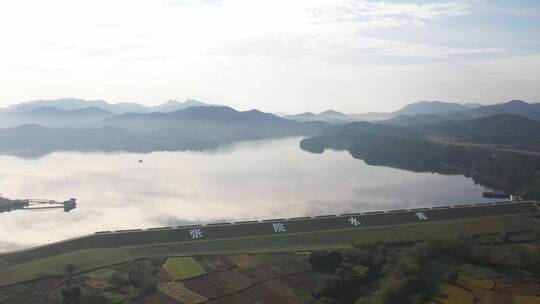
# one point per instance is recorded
(54, 117)
(417, 108)
(192, 128)
(422, 112)
(514, 107)
(42, 126)
(499, 129)
(212, 120)
(70, 104)
(468, 149)
(327, 116)
(72, 112)
(432, 107)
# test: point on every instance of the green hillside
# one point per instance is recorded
(502, 129)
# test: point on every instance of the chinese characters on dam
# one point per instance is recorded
(421, 216)
(354, 221)
(280, 227)
(195, 233)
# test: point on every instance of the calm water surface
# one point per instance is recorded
(249, 180)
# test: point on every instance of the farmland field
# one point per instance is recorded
(182, 268)
(290, 277)
(454, 295)
(179, 292)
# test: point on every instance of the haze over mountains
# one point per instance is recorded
(431, 107)
(69, 104)
(54, 117)
(72, 112)
(428, 112)
(514, 107)
(421, 107)
(328, 116)
(499, 129)
(79, 107)
(37, 127)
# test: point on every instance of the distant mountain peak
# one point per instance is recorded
(173, 105)
(332, 112)
(331, 116)
(70, 104)
(431, 107)
(514, 107)
(472, 105)
(517, 102)
(430, 102)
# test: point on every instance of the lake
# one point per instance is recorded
(245, 181)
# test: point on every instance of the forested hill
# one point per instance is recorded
(406, 149)
(514, 107)
(431, 107)
(502, 129)
(437, 115)
(344, 136)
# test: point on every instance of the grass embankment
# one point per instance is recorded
(96, 258)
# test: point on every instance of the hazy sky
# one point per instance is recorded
(275, 55)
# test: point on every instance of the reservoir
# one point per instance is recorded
(244, 181)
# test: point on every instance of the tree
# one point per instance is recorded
(326, 261)
(71, 295)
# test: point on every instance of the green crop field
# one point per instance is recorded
(182, 268)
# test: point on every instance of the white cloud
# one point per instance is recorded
(319, 32)
(229, 51)
(192, 2)
(384, 14)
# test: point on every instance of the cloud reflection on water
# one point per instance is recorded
(249, 180)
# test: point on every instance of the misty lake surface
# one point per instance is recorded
(245, 181)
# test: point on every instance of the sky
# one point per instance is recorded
(275, 55)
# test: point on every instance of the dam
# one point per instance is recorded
(274, 230)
